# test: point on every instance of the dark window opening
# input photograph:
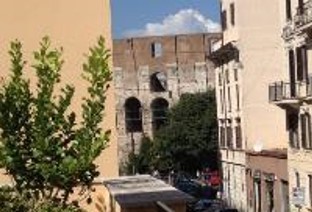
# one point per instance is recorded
(257, 194)
(292, 127)
(159, 108)
(229, 136)
(223, 20)
(229, 100)
(306, 139)
(310, 189)
(288, 10)
(227, 76)
(297, 179)
(301, 63)
(285, 196)
(235, 74)
(237, 98)
(270, 195)
(292, 72)
(156, 50)
(221, 100)
(158, 82)
(238, 131)
(220, 79)
(300, 7)
(222, 136)
(133, 115)
(232, 9)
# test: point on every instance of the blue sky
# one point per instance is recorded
(147, 17)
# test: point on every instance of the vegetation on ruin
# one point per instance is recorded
(186, 143)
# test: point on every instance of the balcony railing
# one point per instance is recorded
(283, 91)
(304, 14)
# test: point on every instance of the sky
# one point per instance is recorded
(134, 18)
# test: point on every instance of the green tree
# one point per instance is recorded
(43, 147)
(188, 142)
(141, 162)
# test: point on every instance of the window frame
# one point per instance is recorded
(232, 13)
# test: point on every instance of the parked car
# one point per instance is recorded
(211, 178)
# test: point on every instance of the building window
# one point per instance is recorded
(222, 136)
(158, 82)
(306, 140)
(237, 98)
(229, 99)
(229, 135)
(285, 196)
(232, 9)
(297, 179)
(223, 20)
(156, 49)
(235, 74)
(227, 76)
(229, 185)
(310, 190)
(292, 72)
(301, 54)
(220, 79)
(288, 10)
(159, 108)
(300, 7)
(257, 194)
(292, 127)
(269, 187)
(133, 115)
(221, 101)
(238, 133)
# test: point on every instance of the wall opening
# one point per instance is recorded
(158, 82)
(159, 108)
(133, 115)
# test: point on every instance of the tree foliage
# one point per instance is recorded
(141, 162)
(188, 142)
(43, 147)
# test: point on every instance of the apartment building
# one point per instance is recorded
(74, 25)
(293, 94)
(252, 137)
(151, 73)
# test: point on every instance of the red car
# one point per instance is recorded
(212, 178)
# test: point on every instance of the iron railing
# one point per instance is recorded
(279, 91)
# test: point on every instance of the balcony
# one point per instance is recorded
(303, 18)
(286, 94)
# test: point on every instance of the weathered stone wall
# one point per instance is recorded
(184, 62)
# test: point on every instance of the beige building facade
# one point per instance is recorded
(74, 25)
(248, 58)
(293, 94)
(151, 73)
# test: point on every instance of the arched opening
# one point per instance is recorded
(158, 82)
(159, 108)
(133, 115)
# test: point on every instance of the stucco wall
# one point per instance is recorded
(267, 165)
(262, 55)
(73, 24)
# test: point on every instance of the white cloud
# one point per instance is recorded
(183, 22)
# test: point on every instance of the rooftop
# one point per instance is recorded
(143, 190)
